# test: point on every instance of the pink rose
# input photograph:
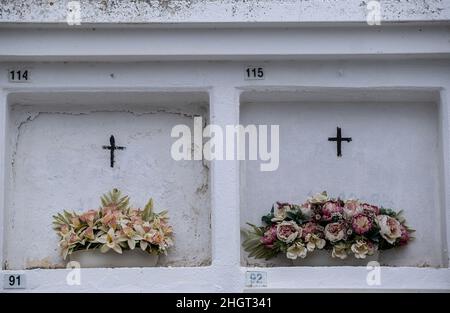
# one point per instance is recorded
(311, 228)
(269, 237)
(351, 208)
(404, 238)
(390, 228)
(288, 231)
(330, 209)
(361, 224)
(370, 209)
(335, 232)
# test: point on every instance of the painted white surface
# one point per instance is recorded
(264, 31)
(222, 11)
(224, 106)
(352, 54)
(224, 82)
(264, 43)
(57, 162)
(392, 161)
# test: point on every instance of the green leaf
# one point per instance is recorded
(388, 212)
(163, 212)
(148, 211)
(114, 198)
(267, 219)
(252, 244)
(296, 217)
(257, 230)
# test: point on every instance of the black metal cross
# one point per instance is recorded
(339, 139)
(112, 147)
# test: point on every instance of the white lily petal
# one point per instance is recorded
(104, 249)
(143, 245)
(118, 249)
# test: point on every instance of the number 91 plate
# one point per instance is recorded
(14, 281)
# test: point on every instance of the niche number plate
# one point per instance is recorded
(21, 75)
(14, 281)
(256, 279)
(254, 73)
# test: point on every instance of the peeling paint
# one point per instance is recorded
(202, 189)
(29, 118)
(198, 11)
(45, 263)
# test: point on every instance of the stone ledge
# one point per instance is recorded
(221, 11)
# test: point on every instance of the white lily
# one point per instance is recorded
(297, 250)
(111, 241)
(314, 241)
(340, 251)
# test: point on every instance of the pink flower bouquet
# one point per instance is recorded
(114, 226)
(344, 227)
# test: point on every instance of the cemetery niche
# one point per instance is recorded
(382, 147)
(66, 149)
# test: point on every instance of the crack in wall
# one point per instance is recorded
(29, 118)
(34, 115)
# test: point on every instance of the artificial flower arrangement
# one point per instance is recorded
(342, 226)
(114, 226)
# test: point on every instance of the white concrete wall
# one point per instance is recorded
(136, 46)
(228, 43)
(58, 163)
(393, 161)
(224, 82)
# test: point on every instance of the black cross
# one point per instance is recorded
(112, 148)
(339, 139)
